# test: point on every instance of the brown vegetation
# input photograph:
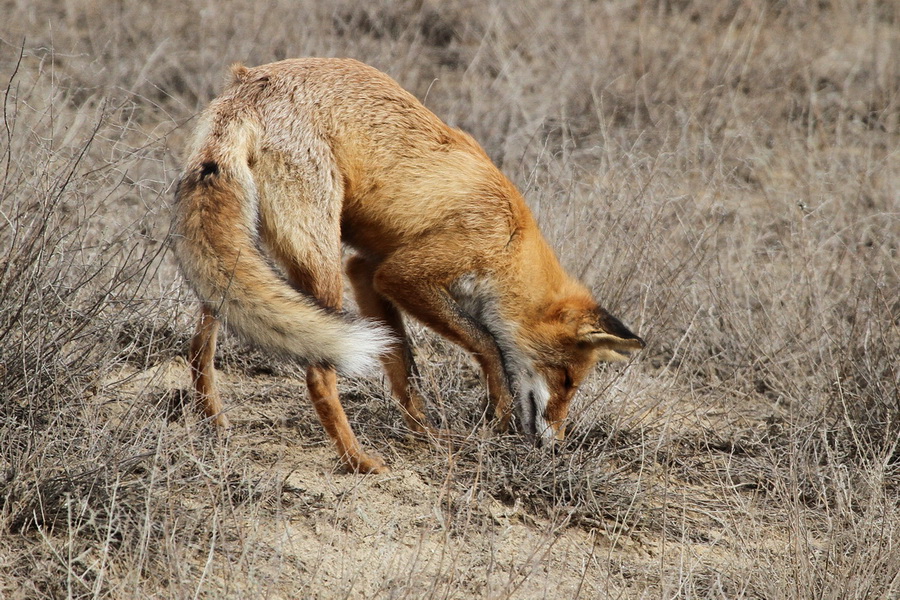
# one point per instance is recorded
(722, 173)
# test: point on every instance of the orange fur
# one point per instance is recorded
(298, 156)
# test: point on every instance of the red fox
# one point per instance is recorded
(298, 157)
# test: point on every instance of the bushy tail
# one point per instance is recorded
(217, 247)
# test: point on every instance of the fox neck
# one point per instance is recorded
(512, 307)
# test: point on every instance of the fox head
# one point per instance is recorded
(571, 338)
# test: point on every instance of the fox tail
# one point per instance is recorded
(217, 248)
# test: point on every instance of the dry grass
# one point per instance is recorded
(723, 173)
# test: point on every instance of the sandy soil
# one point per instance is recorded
(300, 526)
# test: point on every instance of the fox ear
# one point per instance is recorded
(609, 337)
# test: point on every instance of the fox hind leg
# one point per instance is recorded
(319, 274)
(322, 385)
(202, 351)
(299, 219)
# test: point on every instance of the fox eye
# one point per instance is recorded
(568, 380)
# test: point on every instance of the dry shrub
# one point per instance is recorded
(76, 301)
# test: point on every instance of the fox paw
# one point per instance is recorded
(366, 463)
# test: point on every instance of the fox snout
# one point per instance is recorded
(532, 420)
